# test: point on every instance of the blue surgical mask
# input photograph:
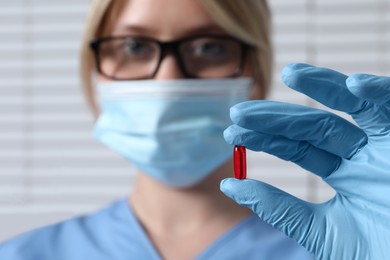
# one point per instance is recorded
(172, 130)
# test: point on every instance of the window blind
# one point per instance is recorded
(50, 166)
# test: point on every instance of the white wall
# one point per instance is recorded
(51, 168)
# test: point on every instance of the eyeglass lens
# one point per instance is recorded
(205, 57)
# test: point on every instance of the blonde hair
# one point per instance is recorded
(248, 20)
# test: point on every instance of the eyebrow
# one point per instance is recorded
(144, 30)
(135, 29)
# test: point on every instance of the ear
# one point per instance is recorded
(252, 68)
(257, 89)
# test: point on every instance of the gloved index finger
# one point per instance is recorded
(320, 128)
(322, 84)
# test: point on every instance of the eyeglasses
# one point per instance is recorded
(130, 58)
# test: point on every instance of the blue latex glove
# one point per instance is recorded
(354, 160)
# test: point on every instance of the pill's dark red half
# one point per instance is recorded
(239, 157)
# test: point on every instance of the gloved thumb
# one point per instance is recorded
(292, 216)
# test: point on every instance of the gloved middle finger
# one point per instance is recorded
(322, 84)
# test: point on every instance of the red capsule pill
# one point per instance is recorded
(239, 157)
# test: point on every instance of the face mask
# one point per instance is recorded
(170, 129)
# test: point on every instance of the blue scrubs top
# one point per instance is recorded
(114, 233)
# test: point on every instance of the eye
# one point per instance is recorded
(209, 49)
(136, 48)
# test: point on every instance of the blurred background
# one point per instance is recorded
(50, 166)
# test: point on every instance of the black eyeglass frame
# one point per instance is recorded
(165, 46)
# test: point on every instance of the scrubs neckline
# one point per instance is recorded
(207, 252)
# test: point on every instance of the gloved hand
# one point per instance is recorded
(354, 160)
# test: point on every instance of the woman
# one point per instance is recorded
(167, 73)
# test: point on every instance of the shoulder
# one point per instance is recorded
(83, 237)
